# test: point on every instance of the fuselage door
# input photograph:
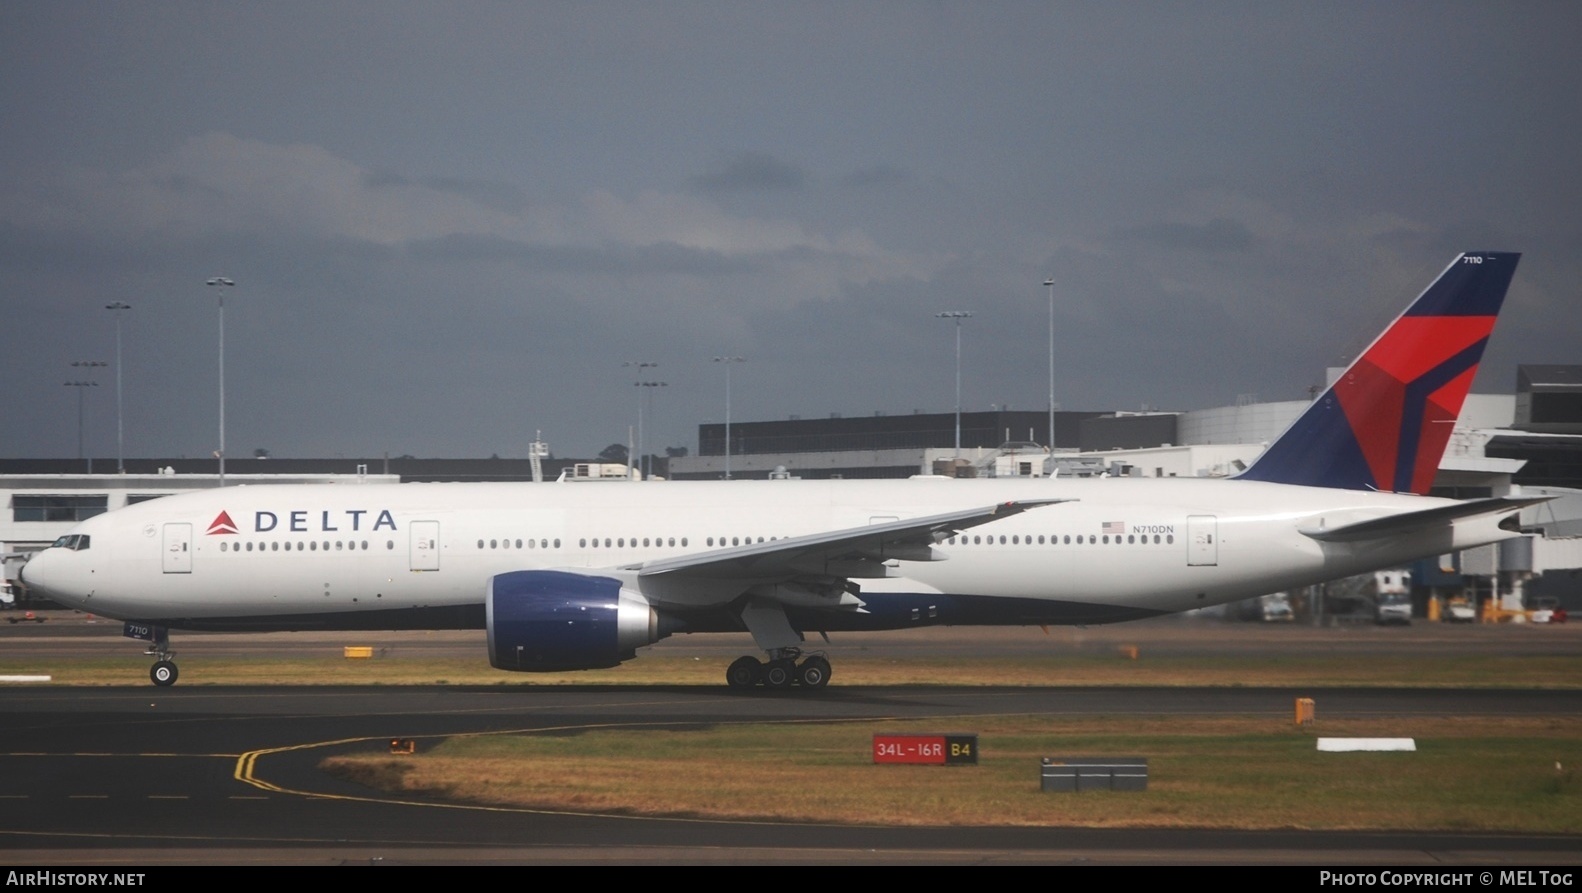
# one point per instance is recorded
(177, 549)
(425, 545)
(1202, 540)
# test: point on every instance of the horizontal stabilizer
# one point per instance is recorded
(1417, 522)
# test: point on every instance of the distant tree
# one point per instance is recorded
(615, 454)
(675, 452)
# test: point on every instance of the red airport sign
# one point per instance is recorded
(933, 750)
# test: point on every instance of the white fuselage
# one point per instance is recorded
(352, 554)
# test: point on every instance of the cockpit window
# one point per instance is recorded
(73, 541)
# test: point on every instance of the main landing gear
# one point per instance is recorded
(163, 673)
(781, 672)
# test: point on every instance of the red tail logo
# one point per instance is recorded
(222, 524)
(1384, 424)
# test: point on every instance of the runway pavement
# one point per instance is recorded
(138, 776)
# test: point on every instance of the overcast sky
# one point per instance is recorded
(449, 224)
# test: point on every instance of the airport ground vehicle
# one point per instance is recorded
(1393, 608)
(1459, 610)
(1546, 609)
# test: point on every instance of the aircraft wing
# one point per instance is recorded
(854, 552)
(1416, 522)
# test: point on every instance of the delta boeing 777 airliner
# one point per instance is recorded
(572, 576)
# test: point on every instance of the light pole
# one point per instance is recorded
(220, 284)
(728, 361)
(646, 387)
(632, 462)
(84, 364)
(120, 451)
(1050, 284)
(81, 386)
(958, 316)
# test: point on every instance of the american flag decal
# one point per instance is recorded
(1114, 527)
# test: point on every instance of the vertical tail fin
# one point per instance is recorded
(1384, 423)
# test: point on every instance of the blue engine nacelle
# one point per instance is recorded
(545, 621)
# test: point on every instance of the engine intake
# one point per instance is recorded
(546, 621)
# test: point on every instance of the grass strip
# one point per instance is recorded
(1448, 670)
(1469, 774)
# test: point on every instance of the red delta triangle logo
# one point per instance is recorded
(222, 524)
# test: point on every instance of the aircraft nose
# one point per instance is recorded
(26, 574)
(36, 576)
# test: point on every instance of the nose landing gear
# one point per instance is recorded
(163, 673)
